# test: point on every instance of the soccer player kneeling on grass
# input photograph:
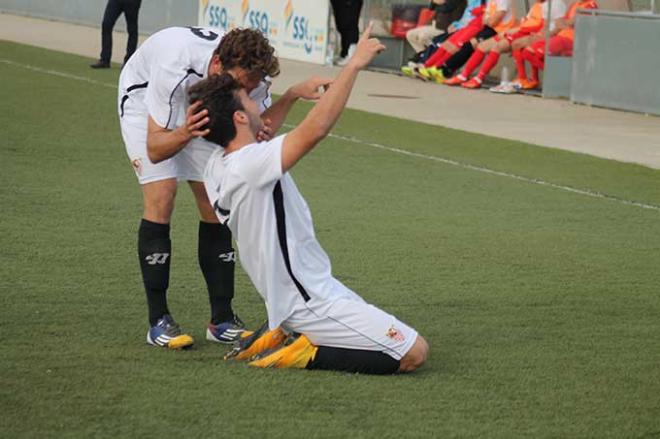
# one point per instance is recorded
(314, 321)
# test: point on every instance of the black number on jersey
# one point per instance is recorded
(200, 33)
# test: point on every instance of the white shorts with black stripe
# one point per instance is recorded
(351, 323)
(187, 164)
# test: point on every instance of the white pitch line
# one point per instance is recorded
(57, 73)
(586, 192)
(482, 169)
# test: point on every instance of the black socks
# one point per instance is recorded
(458, 59)
(217, 260)
(154, 251)
(354, 361)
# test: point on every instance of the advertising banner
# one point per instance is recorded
(297, 29)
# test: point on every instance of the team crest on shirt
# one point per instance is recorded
(137, 165)
(395, 334)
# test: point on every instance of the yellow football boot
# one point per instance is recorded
(425, 74)
(438, 75)
(180, 342)
(255, 343)
(296, 355)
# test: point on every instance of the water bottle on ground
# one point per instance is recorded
(504, 76)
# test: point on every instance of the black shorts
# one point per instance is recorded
(485, 33)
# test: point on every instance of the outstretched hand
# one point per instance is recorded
(367, 49)
(311, 89)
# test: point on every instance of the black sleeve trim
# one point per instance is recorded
(128, 90)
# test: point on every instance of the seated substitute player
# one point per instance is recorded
(445, 14)
(253, 193)
(160, 133)
(497, 17)
(463, 30)
(416, 67)
(561, 44)
(505, 42)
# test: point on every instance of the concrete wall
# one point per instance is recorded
(557, 77)
(616, 62)
(154, 14)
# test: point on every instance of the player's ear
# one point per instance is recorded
(241, 117)
(215, 66)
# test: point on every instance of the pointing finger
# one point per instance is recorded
(367, 31)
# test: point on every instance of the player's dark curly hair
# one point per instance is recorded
(219, 95)
(249, 49)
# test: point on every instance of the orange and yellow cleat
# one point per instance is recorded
(256, 343)
(472, 83)
(529, 84)
(296, 355)
(455, 80)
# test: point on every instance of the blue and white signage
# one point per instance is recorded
(297, 29)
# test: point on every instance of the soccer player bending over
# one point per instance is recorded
(161, 132)
(314, 321)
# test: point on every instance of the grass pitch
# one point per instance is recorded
(541, 305)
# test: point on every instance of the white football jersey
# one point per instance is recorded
(558, 11)
(273, 228)
(167, 64)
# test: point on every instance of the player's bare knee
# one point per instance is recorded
(206, 212)
(423, 351)
(416, 356)
(158, 199)
(518, 44)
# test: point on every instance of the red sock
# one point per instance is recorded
(434, 60)
(473, 63)
(520, 64)
(488, 65)
(535, 74)
(444, 58)
(540, 61)
(535, 59)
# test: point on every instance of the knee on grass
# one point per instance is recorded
(415, 357)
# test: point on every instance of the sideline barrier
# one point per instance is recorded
(616, 62)
(154, 14)
(298, 29)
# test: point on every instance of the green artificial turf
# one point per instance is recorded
(541, 306)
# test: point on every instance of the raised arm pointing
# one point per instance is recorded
(324, 115)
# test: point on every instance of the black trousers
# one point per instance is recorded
(347, 17)
(113, 10)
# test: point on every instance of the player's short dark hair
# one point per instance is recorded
(219, 95)
(249, 49)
